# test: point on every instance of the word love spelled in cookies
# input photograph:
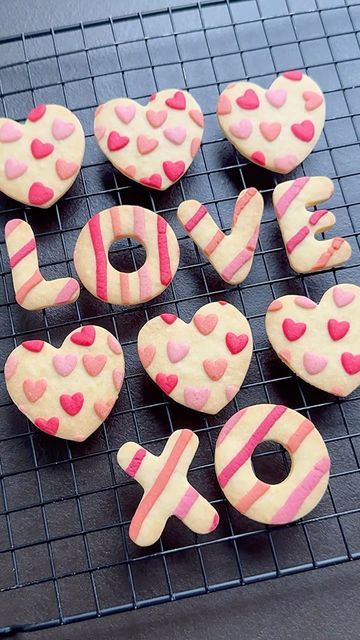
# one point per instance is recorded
(152, 144)
(275, 128)
(201, 364)
(167, 491)
(299, 226)
(231, 255)
(32, 291)
(67, 392)
(306, 483)
(319, 342)
(40, 160)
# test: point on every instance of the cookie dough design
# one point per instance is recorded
(201, 364)
(32, 291)
(40, 160)
(153, 144)
(167, 491)
(117, 287)
(67, 392)
(231, 255)
(307, 481)
(298, 226)
(320, 343)
(275, 128)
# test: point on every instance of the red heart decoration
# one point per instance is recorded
(72, 404)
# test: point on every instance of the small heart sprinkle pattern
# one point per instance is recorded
(39, 160)
(152, 144)
(276, 128)
(299, 226)
(201, 364)
(231, 255)
(69, 391)
(320, 343)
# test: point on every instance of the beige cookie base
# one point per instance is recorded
(128, 160)
(316, 339)
(307, 481)
(100, 389)
(293, 111)
(99, 276)
(305, 252)
(42, 170)
(168, 336)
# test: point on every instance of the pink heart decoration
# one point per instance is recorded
(158, 141)
(201, 364)
(319, 342)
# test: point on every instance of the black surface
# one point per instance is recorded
(330, 537)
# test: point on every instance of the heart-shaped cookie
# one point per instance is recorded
(67, 392)
(201, 364)
(320, 343)
(276, 128)
(152, 144)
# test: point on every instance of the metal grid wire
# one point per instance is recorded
(65, 507)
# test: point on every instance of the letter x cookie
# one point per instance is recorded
(167, 491)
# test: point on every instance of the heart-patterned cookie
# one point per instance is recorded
(67, 392)
(320, 343)
(40, 159)
(152, 144)
(201, 364)
(276, 128)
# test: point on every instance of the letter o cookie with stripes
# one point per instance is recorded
(118, 287)
(307, 481)
(167, 491)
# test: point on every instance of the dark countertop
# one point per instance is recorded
(319, 604)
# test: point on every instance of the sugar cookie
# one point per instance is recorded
(307, 481)
(40, 160)
(69, 391)
(320, 343)
(276, 128)
(167, 491)
(201, 364)
(231, 255)
(152, 144)
(117, 287)
(32, 291)
(298, 226)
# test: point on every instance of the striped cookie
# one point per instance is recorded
(307, 481)
(167, 491)
(299, 226)
(99, 276)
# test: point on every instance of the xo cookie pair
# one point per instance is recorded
(152, 144)
(40, 159)
(32, 291)
(299, 226)
(99, 276)
(275, 128)
(167, 491)
(307, 481)
(319, 342)
(67, 392)
(202, 364)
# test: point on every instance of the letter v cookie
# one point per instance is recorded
(167, 491)
(299, 226)
(32, 291)
(231, 255)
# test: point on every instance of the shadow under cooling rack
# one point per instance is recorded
(65, 508)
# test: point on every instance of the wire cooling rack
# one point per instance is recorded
(65, 508)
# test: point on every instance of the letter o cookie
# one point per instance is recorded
(307, 481)
(117, 287)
